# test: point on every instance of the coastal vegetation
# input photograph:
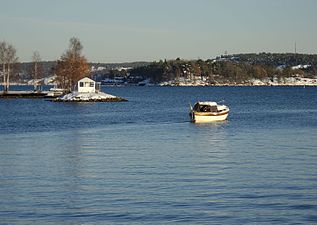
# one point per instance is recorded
(36, 70)
(67, 70)
(236, 69)
(233, 69)
(72, 66)
(8, 59)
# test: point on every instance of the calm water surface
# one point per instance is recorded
(143, 162)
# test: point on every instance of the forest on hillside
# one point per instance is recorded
(232, 69)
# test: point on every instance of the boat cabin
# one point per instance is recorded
(206, 107)
(86, 85)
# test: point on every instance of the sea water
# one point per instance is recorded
(143, 162)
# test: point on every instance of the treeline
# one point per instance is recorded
(8, 60)
(68, 69)
(235, 69)
(274, 59)
(228, 69)
(10, 67)
(114, 66)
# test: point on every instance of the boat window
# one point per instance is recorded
(213, 109)
(81, 84)
(205, 108)
(91, 84)
(196, 107)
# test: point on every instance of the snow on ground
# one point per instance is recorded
(291, 81)
(84, 97)
(46, 81)
(50, 80)
(300, 67)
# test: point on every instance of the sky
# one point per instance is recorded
(149, 30)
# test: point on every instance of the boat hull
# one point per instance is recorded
(205, 117)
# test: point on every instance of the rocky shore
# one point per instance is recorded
(291, 81)
(89, 97)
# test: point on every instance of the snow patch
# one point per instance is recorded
(87, 97)
(300, 67)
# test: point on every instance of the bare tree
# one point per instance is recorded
(72, 66)
(3, 53)
(11, 59)
(8, 58)
(75, 48)
(36, 70)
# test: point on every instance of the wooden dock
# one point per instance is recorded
(23, 94)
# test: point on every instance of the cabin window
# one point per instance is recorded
(81, 84)
(91, 84)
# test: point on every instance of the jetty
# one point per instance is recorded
(23, 94)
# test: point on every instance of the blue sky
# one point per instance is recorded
(137, 30)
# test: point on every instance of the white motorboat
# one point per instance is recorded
(204, 112)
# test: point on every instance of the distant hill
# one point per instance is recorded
(24, 68)
(231, 69)
(274, 59)
(49, 65)
(225, 69)
(113, 66)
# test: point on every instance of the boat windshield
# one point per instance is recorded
(205, 108)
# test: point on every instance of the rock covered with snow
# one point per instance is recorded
(301, 67)
(89, 97)
(289, 81)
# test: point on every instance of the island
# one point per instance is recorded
(88, 91)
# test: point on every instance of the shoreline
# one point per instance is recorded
(290, 82)
(240, 85)
(2, 93)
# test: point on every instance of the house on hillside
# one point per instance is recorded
(87, 85)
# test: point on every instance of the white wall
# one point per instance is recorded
(86, 85)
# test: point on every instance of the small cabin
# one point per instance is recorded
(86, 85)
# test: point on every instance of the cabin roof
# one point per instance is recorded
(208, 103)
(86, 79)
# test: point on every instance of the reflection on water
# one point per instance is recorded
(213, 138)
